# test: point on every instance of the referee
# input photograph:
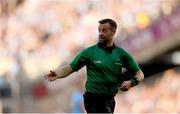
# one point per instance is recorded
(104, 62)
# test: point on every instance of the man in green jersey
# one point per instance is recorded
(104, 62)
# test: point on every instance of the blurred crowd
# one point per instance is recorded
(39, 35)
(162, 95)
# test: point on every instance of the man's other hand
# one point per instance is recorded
(126, 85)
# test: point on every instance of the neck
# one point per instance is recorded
(109, 44)
(106, 45)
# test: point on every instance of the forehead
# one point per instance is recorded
(104, 25)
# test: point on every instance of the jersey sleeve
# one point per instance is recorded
(79, 61)
(129, 63)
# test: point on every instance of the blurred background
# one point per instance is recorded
(39, 35)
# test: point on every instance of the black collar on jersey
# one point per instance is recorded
(107, 49)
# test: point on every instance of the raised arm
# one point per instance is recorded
(63, 71)
(60, 72)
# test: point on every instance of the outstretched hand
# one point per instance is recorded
(126, 85)
(52, 76)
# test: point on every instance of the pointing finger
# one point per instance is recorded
(46, 77)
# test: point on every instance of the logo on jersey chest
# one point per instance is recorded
(97, 61)
(118, 63)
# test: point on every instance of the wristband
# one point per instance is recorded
(134, 81)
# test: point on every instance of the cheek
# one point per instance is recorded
(108, 34)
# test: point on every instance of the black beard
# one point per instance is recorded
(104, 44)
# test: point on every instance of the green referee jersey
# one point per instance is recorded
(103, 68)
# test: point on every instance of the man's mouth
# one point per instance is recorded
(101, 39)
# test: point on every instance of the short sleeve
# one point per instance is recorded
(129, 63)
(79, 61)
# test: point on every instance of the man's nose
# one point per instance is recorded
(100, 33)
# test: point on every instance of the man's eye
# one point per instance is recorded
(104, 30)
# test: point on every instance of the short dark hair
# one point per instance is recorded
(110, 21)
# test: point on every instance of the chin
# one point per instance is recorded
(101, 42)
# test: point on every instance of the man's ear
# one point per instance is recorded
(113, 31)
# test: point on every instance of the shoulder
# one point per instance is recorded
(122, 51)
(87, 51)
(90, 48)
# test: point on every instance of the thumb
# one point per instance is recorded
(122, 84)
(53, 73)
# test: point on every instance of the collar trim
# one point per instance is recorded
(107, 49)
